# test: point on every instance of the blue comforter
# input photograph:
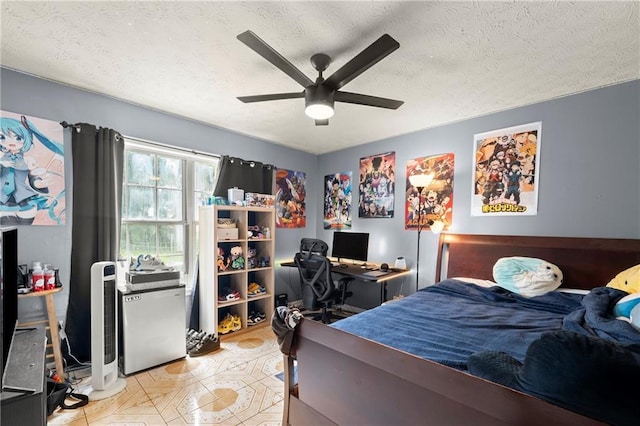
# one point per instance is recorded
(448, 322)
(594, 318)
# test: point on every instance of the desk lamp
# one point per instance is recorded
(420, 182)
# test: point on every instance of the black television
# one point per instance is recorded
(350, 245)
(8, 290)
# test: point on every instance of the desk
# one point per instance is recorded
(52, 325)
(355, 271)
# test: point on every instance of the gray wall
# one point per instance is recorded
(25, 94)
(589, 174)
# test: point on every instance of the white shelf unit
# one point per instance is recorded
(211, 279)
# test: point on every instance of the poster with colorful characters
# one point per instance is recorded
(436, 200)
(377, 185)
(31, 171)
(505, 178)
(291, 190)
(337, 201)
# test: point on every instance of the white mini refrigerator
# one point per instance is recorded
(152, 327)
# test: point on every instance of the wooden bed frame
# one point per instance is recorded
(347, 380)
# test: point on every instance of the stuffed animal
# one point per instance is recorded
(237, 261)
(527, 276)
(222, 264)
(624, 307)
(627, 280)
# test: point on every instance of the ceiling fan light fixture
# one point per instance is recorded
(319, 110)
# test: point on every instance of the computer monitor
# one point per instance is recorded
(350, 245)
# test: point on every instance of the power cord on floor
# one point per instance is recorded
(63, 336)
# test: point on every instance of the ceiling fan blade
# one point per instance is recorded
(322, 122)
(267, 52)
(272, 97)
(370, 56)
(374, 101)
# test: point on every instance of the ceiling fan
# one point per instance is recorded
(320, 95)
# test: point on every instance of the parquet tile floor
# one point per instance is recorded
(234, 385)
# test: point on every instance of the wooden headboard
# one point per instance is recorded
(585, 262)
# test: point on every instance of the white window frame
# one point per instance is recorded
(189, 222)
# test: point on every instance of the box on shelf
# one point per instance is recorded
(260, 200)
(227, 233)
(234, 194)
(143, 280)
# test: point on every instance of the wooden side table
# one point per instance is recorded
(53, 326)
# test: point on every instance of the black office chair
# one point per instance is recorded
(313, 245)
(318, 285)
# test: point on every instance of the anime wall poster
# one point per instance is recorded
(377, 185)
(31, 171)
(291, 190)
(337, 201)
(435, 200)
(505, 178)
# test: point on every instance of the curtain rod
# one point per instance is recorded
(73, 126)
(77, 128)
(176, 148)
(145, 141)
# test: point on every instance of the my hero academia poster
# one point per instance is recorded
(31, 171)
(377, 185)
(435, 202)
(290, 199)
(337, 201)
(505, 178)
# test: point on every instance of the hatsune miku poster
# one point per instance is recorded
(31, 171)
(337, 201)
(505, 178)
(291, 189)
(377, 185)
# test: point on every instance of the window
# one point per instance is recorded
(162, 190)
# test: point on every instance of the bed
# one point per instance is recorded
(344, 379)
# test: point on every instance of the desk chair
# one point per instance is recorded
(317, 281)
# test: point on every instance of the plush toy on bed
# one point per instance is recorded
(527, 276)
(629, 281)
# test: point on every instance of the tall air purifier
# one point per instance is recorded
(104, 332)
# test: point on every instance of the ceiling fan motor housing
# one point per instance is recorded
(319, 100)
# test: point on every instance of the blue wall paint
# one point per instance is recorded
(589, 175)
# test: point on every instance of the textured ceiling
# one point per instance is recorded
(456, 59)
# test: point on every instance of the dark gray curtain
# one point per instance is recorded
(250, 176)
(97, 198)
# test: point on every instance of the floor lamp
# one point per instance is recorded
(420, 182)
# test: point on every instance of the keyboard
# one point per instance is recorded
(375, 273)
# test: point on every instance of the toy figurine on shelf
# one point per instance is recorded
(252, 262)
(264, 262)
(255, 232)
(237, 261)
(222, 263)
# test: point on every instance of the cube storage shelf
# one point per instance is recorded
(255, 231)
